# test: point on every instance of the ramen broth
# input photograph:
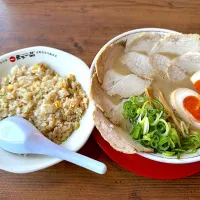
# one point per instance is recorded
(116, 99)
(167, 87)
(119, 67)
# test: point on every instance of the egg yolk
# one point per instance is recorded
(192, 105)
(197, 86)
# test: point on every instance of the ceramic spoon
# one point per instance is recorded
(19, 136)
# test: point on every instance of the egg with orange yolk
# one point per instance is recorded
(196, 81)
(186, 103)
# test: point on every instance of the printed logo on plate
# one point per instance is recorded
(29, 54)
(12, 59)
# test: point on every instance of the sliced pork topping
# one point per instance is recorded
(108, 104)
(130, 85)
(106, 59)
(177, 44)
(111, 78)
(144, 43)
(190, 62)
(176, 73)
(117, 118)
(159, 62)
(138, 64)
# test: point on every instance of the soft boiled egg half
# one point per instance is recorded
(186, 102)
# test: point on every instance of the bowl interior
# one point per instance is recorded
(129, 36)
(64, 64)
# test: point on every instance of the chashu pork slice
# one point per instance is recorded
(116, 113)
(176, 73)
(190, 62)
(106, 59)
(138, 64)
(144, 43)
(111, 78)
(119, 139)
(177, 44)
(106, 103)
(159, 62)
(126, 86)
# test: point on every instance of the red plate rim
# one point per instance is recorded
(146, 167)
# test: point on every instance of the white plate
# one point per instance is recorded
(64, 64)
(185, 158)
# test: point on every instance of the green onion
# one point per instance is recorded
(145, 125)
(158, 104)
(136, 131)
(158, 116)
(174, 136)
(168, 153)
(152, 127)
(154, 141)
(163, 127)
(163, 144)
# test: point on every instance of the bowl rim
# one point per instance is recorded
(151, 156)
(53, 160)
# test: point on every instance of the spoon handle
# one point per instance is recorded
(41, 145)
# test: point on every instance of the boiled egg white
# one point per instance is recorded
(177, 99)
(196, 80)
(195, 77)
